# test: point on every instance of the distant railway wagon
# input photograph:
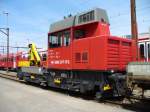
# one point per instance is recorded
(19, 59)
(5, 62)
(144, 49)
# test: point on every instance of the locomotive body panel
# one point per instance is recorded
(90, 48)
(60, 58)
(94, 53)
(119, 53)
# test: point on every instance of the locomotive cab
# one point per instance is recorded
(69, 39)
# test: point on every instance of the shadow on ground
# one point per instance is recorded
(139, 106)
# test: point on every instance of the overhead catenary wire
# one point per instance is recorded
(126, 13)
(127, 25)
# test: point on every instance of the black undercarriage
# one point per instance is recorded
(102, 84)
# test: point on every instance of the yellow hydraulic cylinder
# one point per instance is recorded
(34, 55)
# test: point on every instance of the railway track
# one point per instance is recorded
(130, 102)
(8, 76)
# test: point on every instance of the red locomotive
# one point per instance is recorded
(82, 56)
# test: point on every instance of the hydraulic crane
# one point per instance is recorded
(34, 58)
(31, 69)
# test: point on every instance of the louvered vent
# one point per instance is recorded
(77, 57)
(84, 56)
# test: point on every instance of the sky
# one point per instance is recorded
(29, 20)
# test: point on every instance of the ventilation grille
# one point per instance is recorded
(78, 57)
(84, 57)
(86, 17)
(81, 57)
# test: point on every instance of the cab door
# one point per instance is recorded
(59, 52)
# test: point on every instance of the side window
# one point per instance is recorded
(44, 57)
(59, 42)
(66, 38)
(55, 40)
(142, 51)
(79, 34)
(149, 50)
(11, 59)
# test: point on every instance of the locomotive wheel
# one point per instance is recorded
(98, 96)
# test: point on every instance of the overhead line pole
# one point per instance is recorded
(134, 31)
(7, 39)
(7, 47)
(6, 32)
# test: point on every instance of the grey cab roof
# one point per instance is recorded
(74, 20)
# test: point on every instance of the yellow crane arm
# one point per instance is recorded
(34, 55)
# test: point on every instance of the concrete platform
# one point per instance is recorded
(18, 97)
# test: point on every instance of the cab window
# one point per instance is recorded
(148, 50)
(66, 38)
(142, 51)
(55, 40)
(44, 57)
(80, 33)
